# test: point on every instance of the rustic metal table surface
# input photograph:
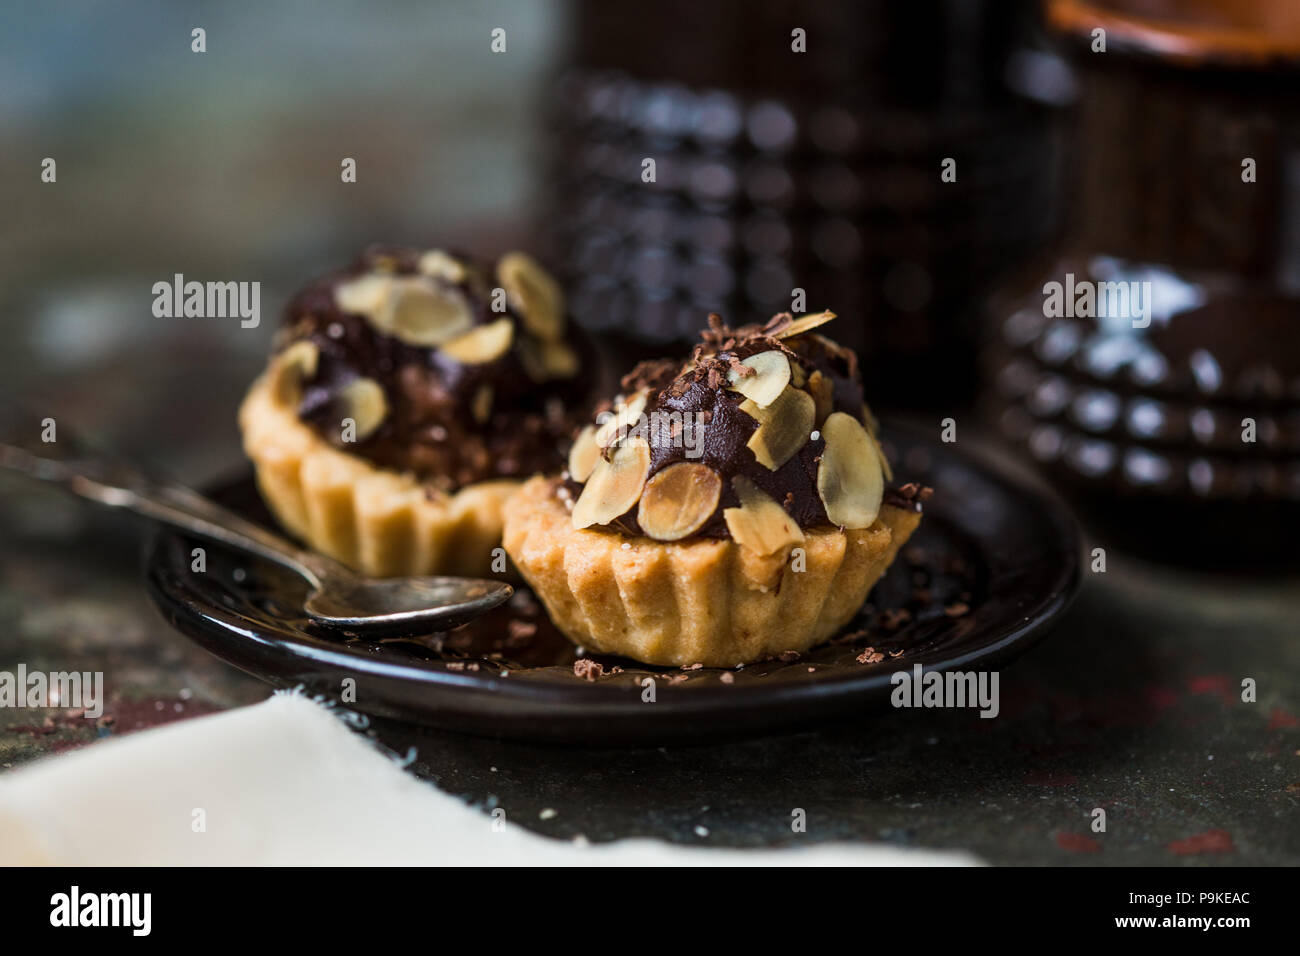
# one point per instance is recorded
(1133, 705)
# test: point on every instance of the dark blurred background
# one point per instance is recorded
(818, 171)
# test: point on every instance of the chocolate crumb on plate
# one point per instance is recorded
(909, 496)
(588, 669)
(894, 618)
(521, 633)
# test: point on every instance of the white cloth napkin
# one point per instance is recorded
(285, 782)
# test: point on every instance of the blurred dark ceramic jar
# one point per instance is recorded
(1146, 423)
(820, 170)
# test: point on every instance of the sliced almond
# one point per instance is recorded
(771, 375)
(533, 293)
(438, 264)
(805, 323)
(544, 361)
(363, 401)
(483, 343)
(584, 454)
(759, 524)
(559, 360)
(849, 477)
(869, 420)
(530, 356)
(679, 500)
(626, 414)
(823, 394)
(364, 295)
(885, 467)
(873, 429)
(481, 405)
(294, 366)
(614, 485)
(783, 427)
(421, 314)
(798, 377)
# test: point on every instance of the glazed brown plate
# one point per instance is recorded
(993, 565)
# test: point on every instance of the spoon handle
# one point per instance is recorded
(122, 486)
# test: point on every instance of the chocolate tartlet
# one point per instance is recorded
(721, 510)
(407, 397)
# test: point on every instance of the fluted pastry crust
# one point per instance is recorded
(380, 522)
(701, 600)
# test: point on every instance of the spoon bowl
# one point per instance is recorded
(403, 605)
(340, 598)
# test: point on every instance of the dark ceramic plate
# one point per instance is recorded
(995, 562)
